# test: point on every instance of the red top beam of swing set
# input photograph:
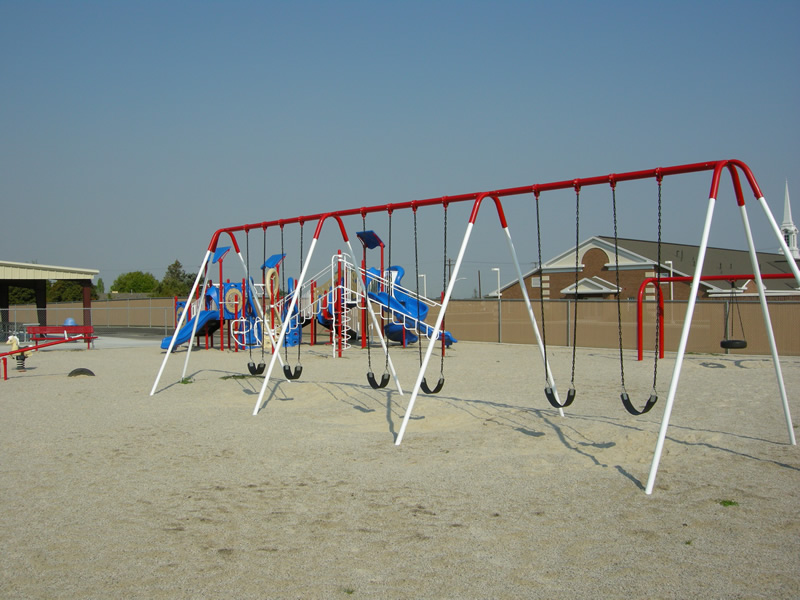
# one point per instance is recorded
(658, 280)
(611, 179)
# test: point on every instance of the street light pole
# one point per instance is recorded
(499, 308)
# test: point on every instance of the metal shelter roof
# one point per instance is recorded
(29, 271)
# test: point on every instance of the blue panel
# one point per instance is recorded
(369, 239)
(219, 253)
(273, 261)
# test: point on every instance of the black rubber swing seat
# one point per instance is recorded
(374, 384)
(439, 385)
(551, 397)
(289, 374)
(626, 402)
(256, 370)
(733, 344)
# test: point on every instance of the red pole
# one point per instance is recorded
(227, 329)
(364, 323)
(221, 301)
(5, 369)
(272, 298)
(313, 335)
(659, 316)
(684, 279)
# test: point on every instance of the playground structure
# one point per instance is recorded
(717, 168)
(332, 298)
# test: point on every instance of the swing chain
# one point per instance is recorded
(444, 284)
(299, 297)
(577, 264)
(283, 294)
(626, 401)
(549, 392)
(369, 355)
(619, 291)
(541, 286)
(416, 279)
(658, 293)
(264, 331)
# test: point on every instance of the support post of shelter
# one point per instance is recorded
(40, 289)
(4, 303)
(87, 301)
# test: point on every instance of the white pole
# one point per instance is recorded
(792, 265)
(768, 324)
(676, 372)
(434, 337)
(260, 311)
(550, 380)
(194, 331)
(180, 321)
(784, 246)
(375, 323)
(285, 326)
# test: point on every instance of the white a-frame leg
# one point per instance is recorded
(673, 386)
(440, 318)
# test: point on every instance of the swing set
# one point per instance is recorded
(717, 168)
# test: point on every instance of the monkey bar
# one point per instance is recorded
(733, 167)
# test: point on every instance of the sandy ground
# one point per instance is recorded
(107, 492)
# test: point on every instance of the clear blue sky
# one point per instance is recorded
(130, 131)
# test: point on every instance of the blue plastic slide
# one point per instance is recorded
(408, 308)
(208, 318)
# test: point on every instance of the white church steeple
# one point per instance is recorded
(788, 228)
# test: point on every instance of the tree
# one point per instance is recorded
(100, 287)
(21, 295)
(176, 282)
(67, 291)
(135, 282)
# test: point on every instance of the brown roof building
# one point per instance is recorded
(604, 271)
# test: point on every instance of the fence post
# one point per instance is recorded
(569, 320)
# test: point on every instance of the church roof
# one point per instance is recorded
(680, 259)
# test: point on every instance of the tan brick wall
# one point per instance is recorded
(476, 320)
